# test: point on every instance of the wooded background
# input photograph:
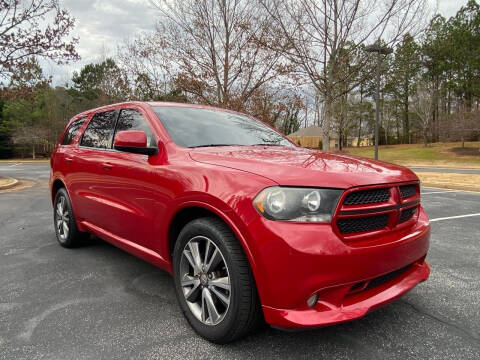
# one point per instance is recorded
(290, 63)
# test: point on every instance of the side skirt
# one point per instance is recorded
(135, 249)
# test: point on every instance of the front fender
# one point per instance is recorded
(230, 216)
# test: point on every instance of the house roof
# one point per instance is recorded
(308, 131)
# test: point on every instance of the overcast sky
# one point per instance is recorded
(102, 24)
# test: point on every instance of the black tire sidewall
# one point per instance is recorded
(211, 332)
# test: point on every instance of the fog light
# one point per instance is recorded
(312, 300)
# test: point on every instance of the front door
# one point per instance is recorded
(129, 187)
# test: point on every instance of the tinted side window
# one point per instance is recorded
(72, 131)
(133, 120)
(99, 132)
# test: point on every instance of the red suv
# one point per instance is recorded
(251, 226)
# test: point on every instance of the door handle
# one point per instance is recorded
(107, 166)
(68, 159)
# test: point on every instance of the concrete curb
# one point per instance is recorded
(10, 185)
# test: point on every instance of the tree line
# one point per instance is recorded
(291, 63)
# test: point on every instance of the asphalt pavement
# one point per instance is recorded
(98, 302)
(30, 171)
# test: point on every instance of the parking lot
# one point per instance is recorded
(100, 302)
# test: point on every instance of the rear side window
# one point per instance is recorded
(99, 132)
(130, 119)
(72, 131)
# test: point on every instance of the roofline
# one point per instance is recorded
(103, 107)
(157, 103)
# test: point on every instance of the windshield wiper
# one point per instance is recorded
(212, 145)
(266, 144)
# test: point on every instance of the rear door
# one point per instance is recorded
(63, 163)
(87, 183)
(64, 151)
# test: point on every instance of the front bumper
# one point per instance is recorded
(294, 261)
(345, 308)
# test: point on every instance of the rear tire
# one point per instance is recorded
(212, 271)
(64, 221)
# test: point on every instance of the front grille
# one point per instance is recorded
(407, 214)
(376, 210)
(362, 224)
(367, 197)
(408, 190)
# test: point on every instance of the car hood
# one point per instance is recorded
(303, 167)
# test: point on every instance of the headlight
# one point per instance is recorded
(297, 204)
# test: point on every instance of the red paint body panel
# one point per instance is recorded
(133, 138)
(130, 200)
(304, 167)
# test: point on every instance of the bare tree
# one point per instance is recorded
(25, 33)
(215, 50)
(147, 65)
(30, 136)
(316, 36)
(422, 103)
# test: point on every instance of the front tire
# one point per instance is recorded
(213, 281)
(64, 221)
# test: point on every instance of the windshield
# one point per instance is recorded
(194, 127)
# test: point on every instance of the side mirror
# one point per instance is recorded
(133, 141)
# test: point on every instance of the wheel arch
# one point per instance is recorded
(193, 210)
(56, 185)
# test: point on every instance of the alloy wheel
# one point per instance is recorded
(205, 280)
(62, 218)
